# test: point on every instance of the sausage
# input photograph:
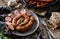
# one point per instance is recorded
(30, 23)
(15, 21)
(28, 14)
(27, 0)
(11, 15)
(46, 0)
(39, 4)
(16, 12)
(27, 26)
(25, 20)
(32, 18)
(30, 2)
(10, 26)
(8, 19)
(21, 28)
(23, 11)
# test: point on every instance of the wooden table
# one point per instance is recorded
(56, 32)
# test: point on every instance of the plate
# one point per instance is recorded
(32, 30)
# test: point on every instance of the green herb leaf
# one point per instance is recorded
(0, 37)
(21, 20)
(1, 34)
(22, 23)
(5, 38)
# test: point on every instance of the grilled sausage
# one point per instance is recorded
(27, 26)
(15, 21)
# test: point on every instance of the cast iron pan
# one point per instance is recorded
(50, 4)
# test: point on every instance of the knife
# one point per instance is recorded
(42, 20)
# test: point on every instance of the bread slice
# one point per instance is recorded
(55, 20)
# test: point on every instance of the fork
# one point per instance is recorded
(42, 20)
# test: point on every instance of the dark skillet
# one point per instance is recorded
(50, 4)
